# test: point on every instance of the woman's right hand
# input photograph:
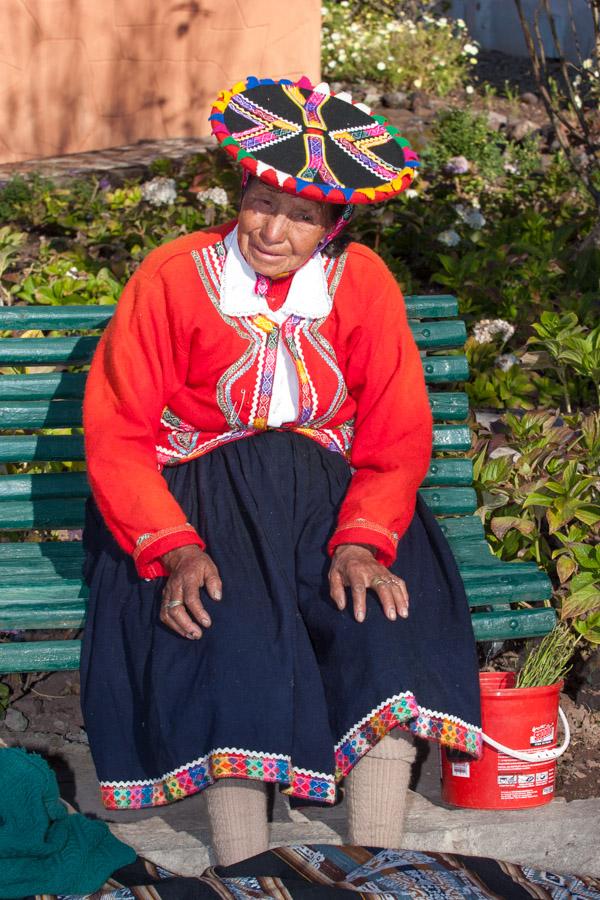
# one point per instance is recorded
(190, 569)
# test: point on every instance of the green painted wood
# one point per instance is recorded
(44, 486)
(28, 414)
(26, 448)
(41, 414)
(46, 386)
(44, 591)
(434, 335)
(449, 405)
(514, 624)
(58, 615)
(437, 306)
(445, 369)
(448, 500)
(451, 437)
(46, 351)
(73, 318)
(55, 318)
(449, 471)
(27, 571)
(39, 656)
(527, 588)
(30, 447)
(34, 550)
(465, 528)
(53, 513)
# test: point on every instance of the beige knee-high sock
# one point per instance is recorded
(237, 811)
(376, 791)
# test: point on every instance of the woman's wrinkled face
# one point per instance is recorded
(279, 232)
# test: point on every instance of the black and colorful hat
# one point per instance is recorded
(307, 141)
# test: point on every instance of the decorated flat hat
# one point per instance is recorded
(308, 141)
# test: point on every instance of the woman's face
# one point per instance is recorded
(278, 232)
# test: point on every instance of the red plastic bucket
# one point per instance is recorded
(523, 722)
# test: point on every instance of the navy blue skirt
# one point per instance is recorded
(283, 687)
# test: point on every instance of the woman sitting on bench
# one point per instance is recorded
(269, 597)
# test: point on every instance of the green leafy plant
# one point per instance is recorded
(395, 47)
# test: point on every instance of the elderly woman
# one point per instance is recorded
(269, 598)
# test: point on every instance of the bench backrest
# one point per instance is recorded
(43, 486)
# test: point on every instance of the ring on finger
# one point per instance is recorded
(377, 581)
(173, 603)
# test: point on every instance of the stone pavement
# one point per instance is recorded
(560, 836)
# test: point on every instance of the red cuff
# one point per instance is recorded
(385, 541)
(150, 547)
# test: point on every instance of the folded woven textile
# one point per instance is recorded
(43, 849)
(326, 872)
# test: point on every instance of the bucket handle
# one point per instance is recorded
(533, 756)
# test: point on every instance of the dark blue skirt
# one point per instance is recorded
(283, 687)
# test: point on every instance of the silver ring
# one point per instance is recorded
(173, 603)
(382, 581)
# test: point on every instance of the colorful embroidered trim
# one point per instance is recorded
(371, 526)
(404, 711)
(222, 763)
(146, 540)
(257, 130)
(401, 710)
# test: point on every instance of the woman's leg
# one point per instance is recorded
(237, 811)
(376, 792)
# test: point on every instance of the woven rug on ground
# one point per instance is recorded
(327, 872)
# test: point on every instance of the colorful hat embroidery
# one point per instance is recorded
(308, 141)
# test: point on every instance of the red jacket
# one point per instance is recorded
(174, 377)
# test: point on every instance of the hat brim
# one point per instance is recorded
(307, 141)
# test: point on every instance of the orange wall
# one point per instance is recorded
(85, 74)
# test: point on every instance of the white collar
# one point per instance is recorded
(308, 296)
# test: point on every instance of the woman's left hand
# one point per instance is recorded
(354, 566)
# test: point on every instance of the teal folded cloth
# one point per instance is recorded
(43, 849)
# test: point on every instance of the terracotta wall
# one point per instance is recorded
(85, 74)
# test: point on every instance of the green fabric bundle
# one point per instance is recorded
(43, 849)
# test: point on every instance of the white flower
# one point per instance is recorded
(471, 49)
(410, 193)
(587, 64)
(442, 22)
(506, 361)
(460, 23)
(324, 10)
(417, 83)
(214, 195)
(75, 274)
(470, 216)
(577, 101)
(450, 237)
(380, 66)
(486, 330)
(159, 191)
(470, 89)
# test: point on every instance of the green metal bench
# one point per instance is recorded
(40, 582)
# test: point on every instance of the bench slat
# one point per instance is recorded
(44, 591)
(34, 550)
(54, 513)
(453, 406)
(80, 349)
(79, 317)
(46, 351)
(30, 447)
(449, 471)
(55, 318)
(521, 623)
(41, 414)
(69, 512)
(58, 615)
(47, 386)
(48, 485)
(39, 656)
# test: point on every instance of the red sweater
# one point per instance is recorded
(174, 377)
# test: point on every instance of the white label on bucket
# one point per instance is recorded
(526, 780)
(505, 780)
(548, 790)
(461, 769)
(541, 777)
(542, 734)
